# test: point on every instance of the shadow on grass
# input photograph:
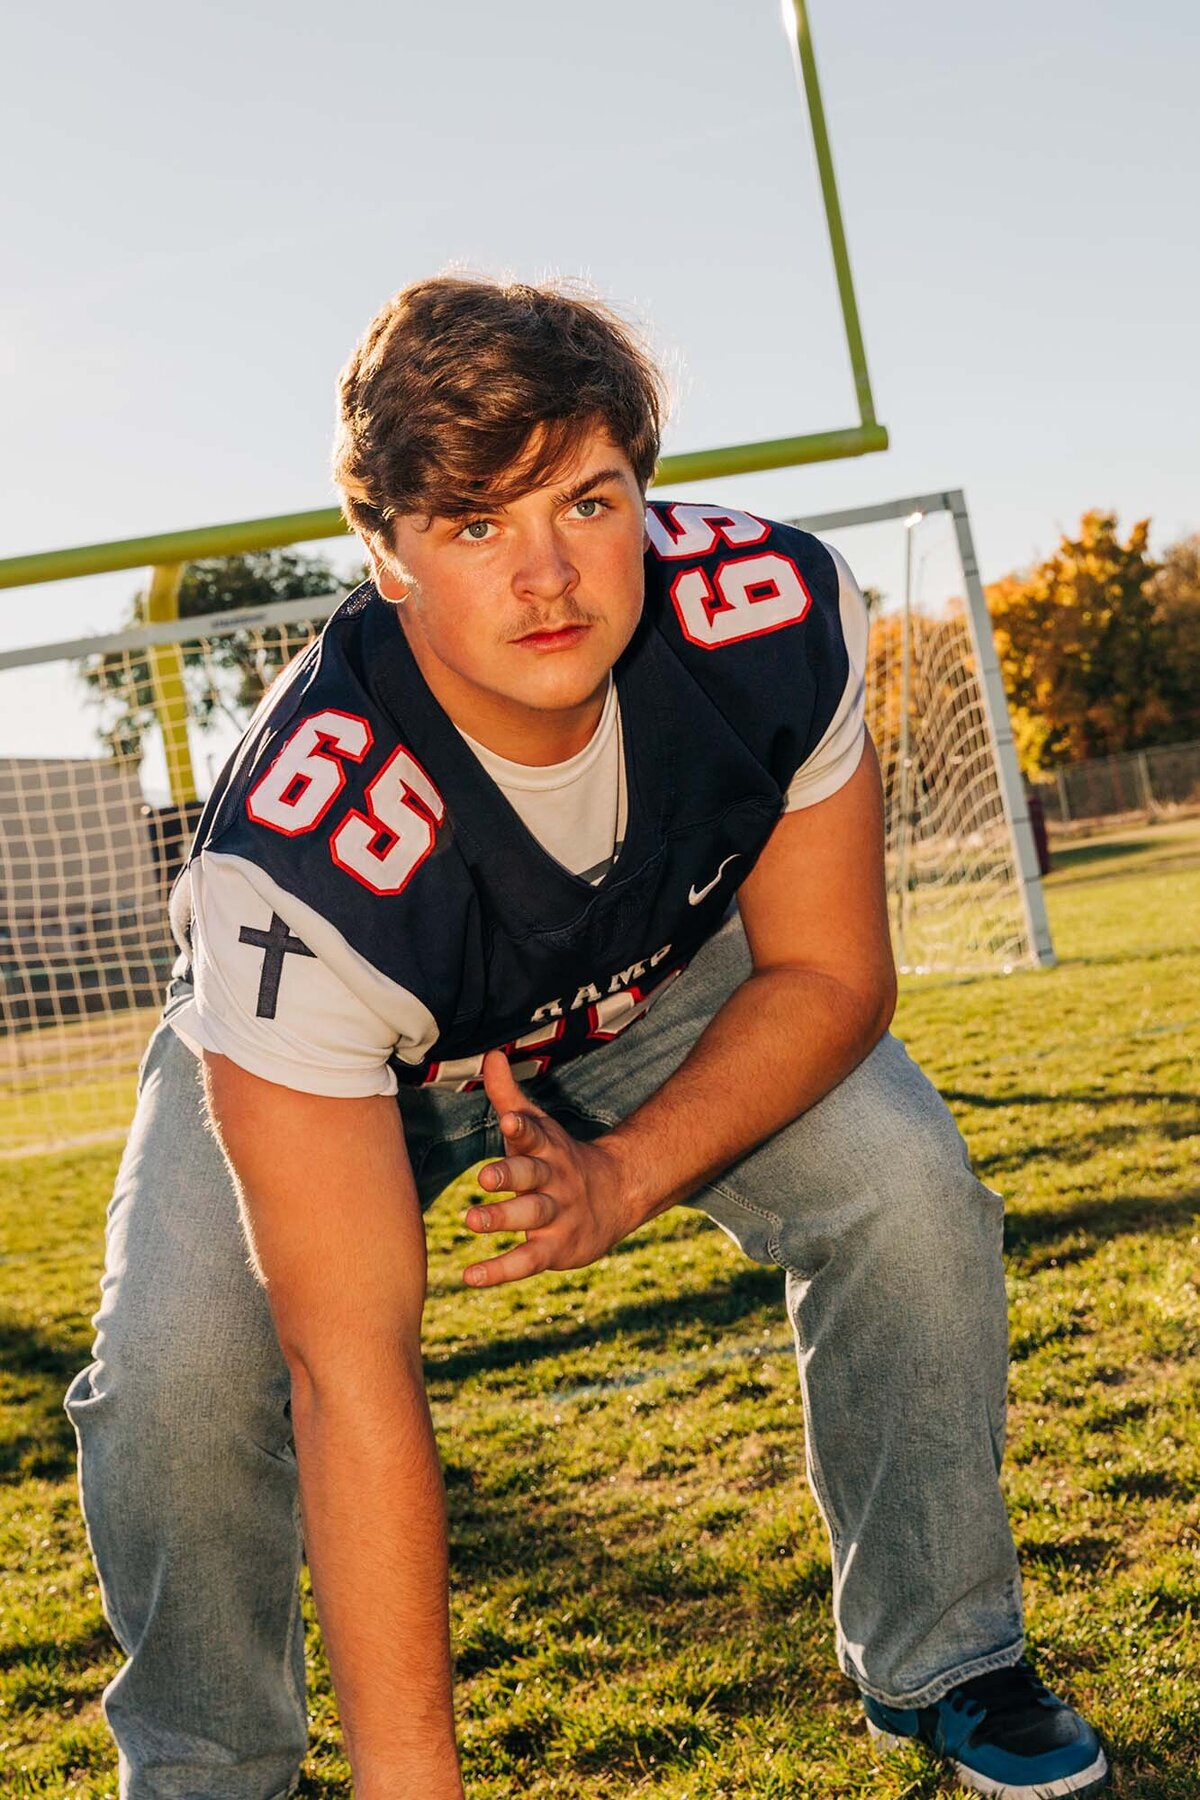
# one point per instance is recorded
(1096, 1096)
(1149, 1484)
(91, 1644)
(1075, 1148)
(1166, 861)
(1083, 1552)
(746, 1292)
(1100, 850)
(1161, 1767)
(1123, 1215)
(1115, 959)
(581, 1586)
(36, 1439)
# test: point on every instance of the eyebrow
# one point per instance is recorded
(577, 490)
(565, 497)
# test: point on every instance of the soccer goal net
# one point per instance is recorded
(964, 891)
(90, 842)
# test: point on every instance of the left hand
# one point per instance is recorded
(567, 1194)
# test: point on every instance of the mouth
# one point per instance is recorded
(563, 637)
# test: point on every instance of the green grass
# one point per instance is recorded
(640, 1581)
(45, 1103)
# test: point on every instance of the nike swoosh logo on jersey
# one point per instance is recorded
(696, 895)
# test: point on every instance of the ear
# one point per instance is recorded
(390, 586)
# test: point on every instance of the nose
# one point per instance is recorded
(544, 569)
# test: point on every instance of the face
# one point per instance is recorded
(516, 615)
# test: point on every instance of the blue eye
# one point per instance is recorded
(595, 503)
(476, 530)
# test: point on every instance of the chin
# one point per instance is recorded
(558, 689)
(561, 696)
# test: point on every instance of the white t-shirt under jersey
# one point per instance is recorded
(575, 809)
(343, 1019)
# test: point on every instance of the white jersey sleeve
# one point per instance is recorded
(281, 993)
(839, 752)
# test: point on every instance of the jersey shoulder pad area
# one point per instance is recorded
(759, 613)
(279, 992)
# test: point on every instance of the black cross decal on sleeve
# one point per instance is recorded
(277, 942)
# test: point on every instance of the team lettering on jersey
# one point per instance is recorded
(610, 1011)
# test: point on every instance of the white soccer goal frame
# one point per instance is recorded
(991, 686)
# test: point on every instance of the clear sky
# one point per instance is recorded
(203, 207)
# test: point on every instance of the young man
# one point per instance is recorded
(466, 889)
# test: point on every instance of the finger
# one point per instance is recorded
(523, 1131)
(526, 1213)
(515, 1265)
(516, 1174)
(500, 1085)
(514, 1109)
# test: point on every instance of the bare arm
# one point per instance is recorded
(331, 1216)
(820, 994)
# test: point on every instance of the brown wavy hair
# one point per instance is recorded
(463, 393)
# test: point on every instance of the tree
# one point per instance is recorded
(942, 687)
(1082, 647)
(226, 675)
(1175, 591)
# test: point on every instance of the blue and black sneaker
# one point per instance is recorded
(1005, 1733)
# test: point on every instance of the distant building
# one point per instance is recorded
(83, 885)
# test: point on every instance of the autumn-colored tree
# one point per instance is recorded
(1082, 647)
(943, 697)
(1175, 591)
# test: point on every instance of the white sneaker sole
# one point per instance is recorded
(1081, 1784)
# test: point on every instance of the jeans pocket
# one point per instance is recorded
(756, 1230)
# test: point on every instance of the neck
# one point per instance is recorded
(522, 734)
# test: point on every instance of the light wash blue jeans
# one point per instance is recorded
(894, 1288)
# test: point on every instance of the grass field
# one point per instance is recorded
(43, 1103)
(640, 1580)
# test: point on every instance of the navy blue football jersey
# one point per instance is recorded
(381, 844)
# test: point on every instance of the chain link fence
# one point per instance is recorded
(1147, 783)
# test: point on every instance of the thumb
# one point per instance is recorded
(501, 1086)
